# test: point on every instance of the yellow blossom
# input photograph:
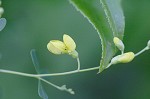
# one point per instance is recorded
(124, 58)
(68, 46)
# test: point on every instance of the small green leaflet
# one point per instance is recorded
(35, 61)
(2, 23)
(106, 16)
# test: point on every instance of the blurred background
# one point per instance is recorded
(31, 24)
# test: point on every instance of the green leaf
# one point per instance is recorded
(2, 23)
(41, 91)
(106, 16)
(35, 61)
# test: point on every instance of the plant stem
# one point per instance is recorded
(143, 50)
(44, 75)
(61, 88)
(63, 73)
(49, 83)
(78, 61)
(17, 73)
(122, 52)
(109, 65)
(32, 75)
(67, 73)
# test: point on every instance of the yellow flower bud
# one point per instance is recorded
(56, 47)
(118, 43)
(127, 57)
(124, 58)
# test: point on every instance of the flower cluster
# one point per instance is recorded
(68, 46)
(124, 57)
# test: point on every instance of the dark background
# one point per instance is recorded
(32, 23)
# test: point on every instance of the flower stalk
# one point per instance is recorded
(58, 47)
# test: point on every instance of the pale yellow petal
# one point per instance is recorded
(126, 57)
(69, 42)
(56, 47)
(53, 49)
(118, 43)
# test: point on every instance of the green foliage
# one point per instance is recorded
(33, 23)
(2, 23)
(41, 91)
(108, 19)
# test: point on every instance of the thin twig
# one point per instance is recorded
(44, 75)
(143, 50)
(78, 61)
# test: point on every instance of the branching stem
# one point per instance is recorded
(44, 75)
(39, 76)
(70, 72)
(63, 73)
(54, 85)
(143, 50)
